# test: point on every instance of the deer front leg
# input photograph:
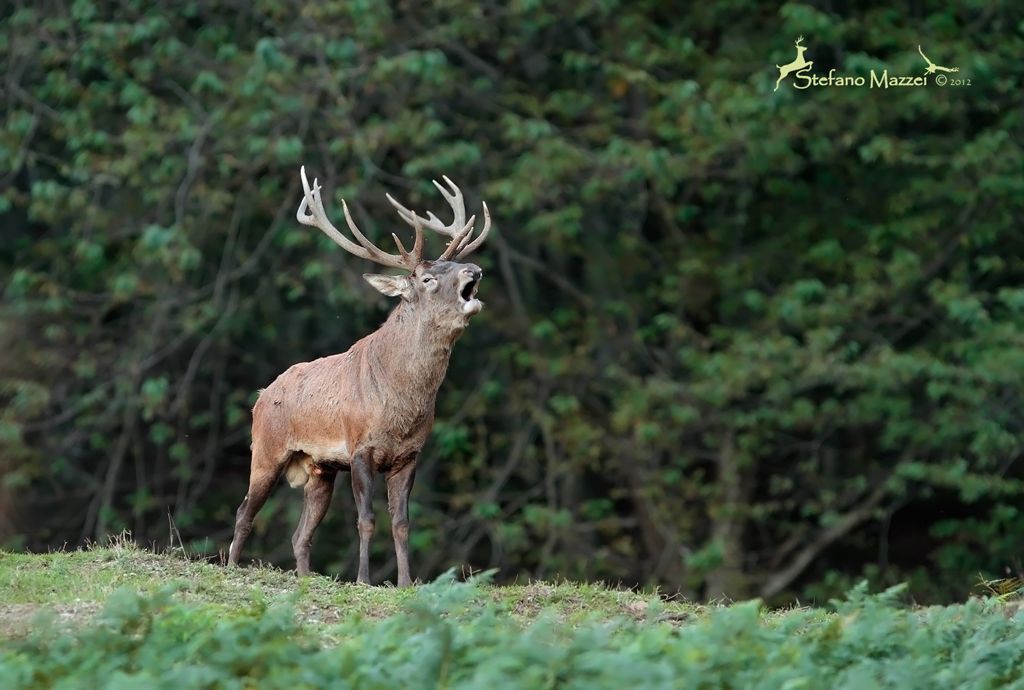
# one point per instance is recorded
(399, 488)
(362, 491)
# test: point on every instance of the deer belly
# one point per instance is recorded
(314, 460)
(327, 453)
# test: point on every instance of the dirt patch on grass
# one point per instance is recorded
(533, 599)
(18, 620)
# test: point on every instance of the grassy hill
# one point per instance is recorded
(124, 617)
(74, 584)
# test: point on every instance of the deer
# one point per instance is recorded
(798, 65)
(368, 410)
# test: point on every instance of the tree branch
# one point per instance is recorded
(783, 578)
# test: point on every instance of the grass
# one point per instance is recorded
(123, 617)
(73, 585)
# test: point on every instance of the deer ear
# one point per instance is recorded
(392, 286)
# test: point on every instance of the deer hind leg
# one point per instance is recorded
(317, 498)
(265, 471)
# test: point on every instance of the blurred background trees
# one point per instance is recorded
(736, 342)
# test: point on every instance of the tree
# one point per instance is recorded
(737, 341)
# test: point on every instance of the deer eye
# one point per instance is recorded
(427, 279)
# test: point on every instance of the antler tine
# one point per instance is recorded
(455, 200)
(460, 230)
(404, 213)
(431, 221)
(401, 247)
(471, 247)
(458, 240)
(379, 255)
(417, 248)
(317, 217)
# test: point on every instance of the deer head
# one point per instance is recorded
(443, 287)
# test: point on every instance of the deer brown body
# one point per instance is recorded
(370, 409)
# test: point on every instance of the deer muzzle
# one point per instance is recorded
(469, 281)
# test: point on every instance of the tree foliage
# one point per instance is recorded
(737, 341)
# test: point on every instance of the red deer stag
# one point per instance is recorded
(370, 409)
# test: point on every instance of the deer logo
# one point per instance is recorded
(932, 67)
(798, 65)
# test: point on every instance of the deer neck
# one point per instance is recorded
(415, 350)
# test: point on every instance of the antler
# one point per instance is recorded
(460, 229)
(317, 217)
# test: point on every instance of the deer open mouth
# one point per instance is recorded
(468, 290)
(467, 295)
